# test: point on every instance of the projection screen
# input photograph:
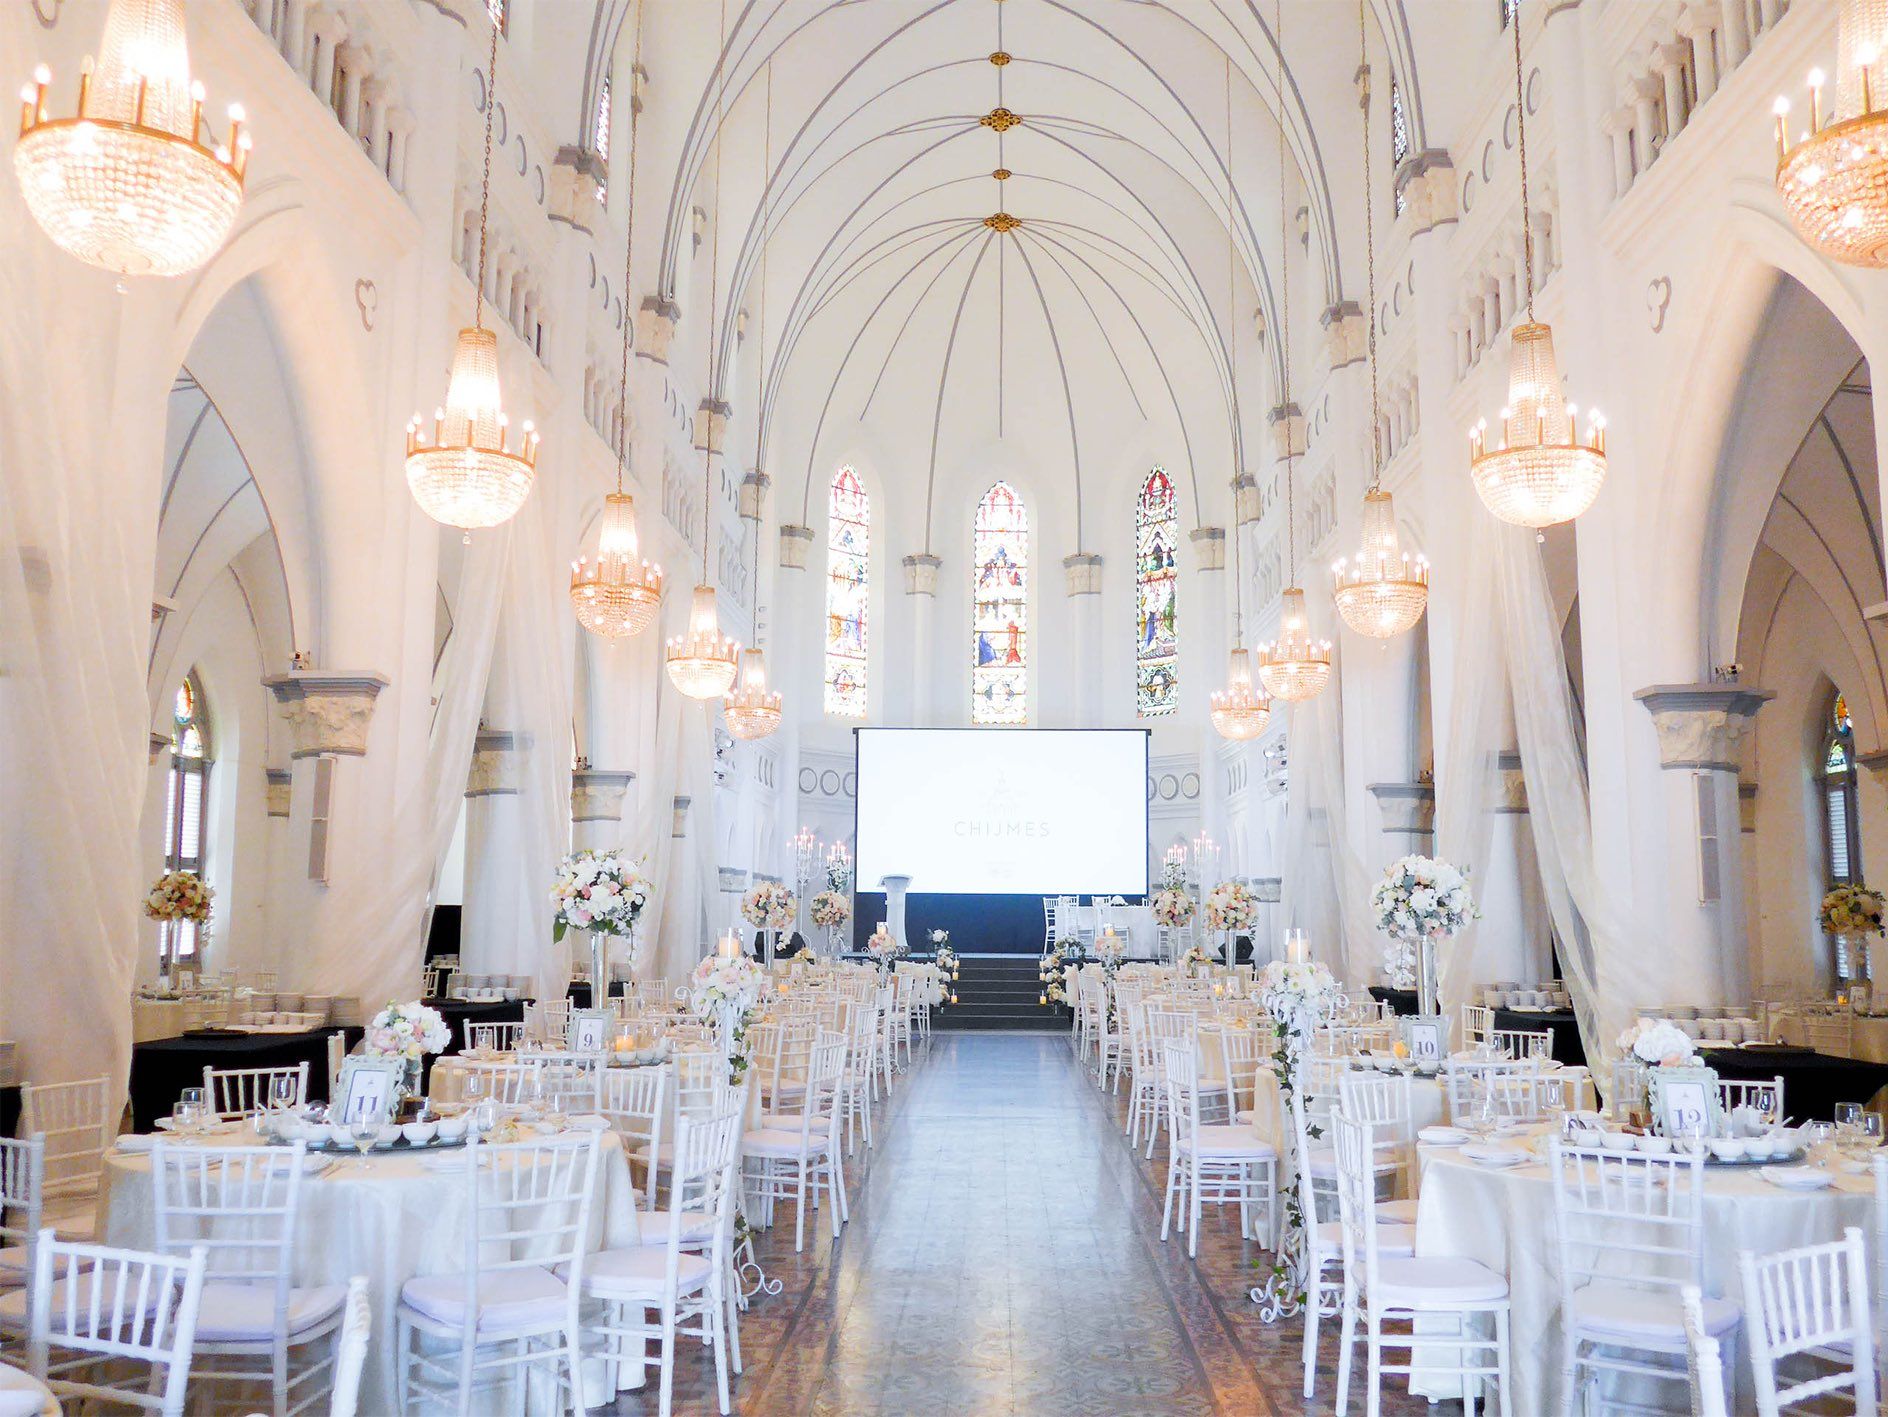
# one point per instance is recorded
(982, 811)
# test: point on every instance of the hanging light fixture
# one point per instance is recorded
(619, 594)
(1834, 182)
(752, 709)
(131, 183)
(701, 663)
(1241, 710)
(1382, 591)
(467, 471)
(1539, 473)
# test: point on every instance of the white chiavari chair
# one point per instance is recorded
(336, 1056)
(670, 1273)
(800, 1156)
(515, 1300)
(111, 1326)
(1165, 1023)
(1812, 1300)
(548, 1022)
(239, 1204)
(1521, 1045)
(1704, 1361)
(1830, 1033)
(856, 1085)
(1147, 1101)
(1478, 1021)
(1380, 1288)
(570, 1083)
(513, 1083)
(781, 1075)
(1465, 1087)
(1383, 1104)
(235, 1093)
(493, 1037)
(1241, 1052)
(351, 1353)
(1631, 1235)
(73, 1119)
(1223, 1164)
(698, 1085)
(1763, 1096)
(433, 982)
(633, 1101)
(22, 1192)
(882, 1002)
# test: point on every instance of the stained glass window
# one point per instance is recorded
(1399, 139)
(1156, 573)
(184, 803)
(1842, 824)
(601, 124)
(848, 600)
(999, 627)
(499, 12)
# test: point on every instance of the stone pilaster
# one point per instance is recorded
(795, 543)
(655, 329)
(597, 794)
(1407, 810)
(328, 711)
(1209, 547)
(276, 791)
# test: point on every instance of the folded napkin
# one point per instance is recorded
(135, 1142)
(1797, 1178)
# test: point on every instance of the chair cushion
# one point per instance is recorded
(533, 1298)
(621, 1274)
(13, 1311)
(1436, 1279)
(1240, 1142)
(1321, 1163)
(1397, 1212)
(239, 1313)
(772, 1142)
(697, 1227)
(1645, 1318)
(1244, 1115)
(782, 1121)
(1398, 1241)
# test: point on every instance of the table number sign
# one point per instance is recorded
(367, 1088)
(1684, 1101)
(591, 1030)
(1426, 1037)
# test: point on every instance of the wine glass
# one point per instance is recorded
(183, 1116)
(1869, 1137)
(364, 1130)
(198, 1114)
(1848, 1117)
(282, 1092)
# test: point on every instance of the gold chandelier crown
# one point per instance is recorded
(130, 182)
(619, 593)
(701, 663)
(467, 471)
(1294, 666)
(1241, 710)
(751, 708)
(1834, 182)
(1384, 590)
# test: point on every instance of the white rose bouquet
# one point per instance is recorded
(717, 981)
(1195, 959)
(1659, 1043)
(830, 910)
(600, 891)
(1298, 995)
(1847, 910)
(1110, 950)
(940, 939)
(771, 905)
(179, 895)
(1173, 907)
(1421, 898)
(1232, 906)
(882, 947)
(406, 1031)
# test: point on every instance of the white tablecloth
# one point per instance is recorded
(23, 1395)
(1505, 1219)
(390, 1217)
(1135, 922)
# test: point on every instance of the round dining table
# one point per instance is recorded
(392, 1216)
(1504, 1218)
(23, 1395)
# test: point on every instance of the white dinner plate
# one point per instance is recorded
(135, 1142)
(1798, 1178)
(1442, 1136)
(1494, 1156)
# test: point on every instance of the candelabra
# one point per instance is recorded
(805, 846)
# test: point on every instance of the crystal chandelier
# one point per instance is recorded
(1541, 472)
(619, 593)
(1241, 710)
(752, 709)
(1294, 667)
(701, 663)
(130, 183)
(467, 471)
(1834, 182)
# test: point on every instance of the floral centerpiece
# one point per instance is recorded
(179, 895)
(1061, 957)
(1850, 913)
(408, 1032)
(1658, 1043)
(1232, 906)
(882, 947)
(1195, 959)
(830, 910)
(1420, 902)
(602, 892)
(725, 989)
(771, 905)
(1173, 907)
(1110, 950)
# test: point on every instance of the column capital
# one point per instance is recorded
(1246, 502)
(276, 790)
(1407, 808)
(1508, 792)
(1702, 725)
(1429, 190)
(921, 571)
(678, 825)
(572, 187)
(158, 746)
(1209, 547)
(495, 770)
(655, 328)
(711, 425)
(1082, 573)
(1345, 333)
(328, 710)
(1287, 422)
(596, 794)
(795, 542)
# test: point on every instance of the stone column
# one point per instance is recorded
(1697, 24)
(328, 713)
(1704, 947)
(1671, 60)
(494, 825)
(596, 808)
(1082, 574)
(921, 573)
(1407, 811)
(1733, 35)
(1516, 931)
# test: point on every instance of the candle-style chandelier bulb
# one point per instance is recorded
(1383, 590)
(1241, 710)
(619, 593)
(701, 663)
(1294, 667)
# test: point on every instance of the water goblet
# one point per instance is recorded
(1848, 1118)
(282, 1092)
(365, 1131)
(183, 1116)
(1868, 1137)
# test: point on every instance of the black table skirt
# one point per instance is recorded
(579, 992)
(164, 1067)
(1812, 1082)
(9, 1111)
(458, 1013)
(1562, 1024)
(1402, 1000)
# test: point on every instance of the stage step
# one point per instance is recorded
(998, 993)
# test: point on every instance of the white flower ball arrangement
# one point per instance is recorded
(1658, 1043)
(1298, 995)
(731, 981)
(406, 1031)
(600, 891)
(882, 947)
(1173, 908)
(1110, 949)
(1195, 959)
(1232, 906)
(771, 905)
(830, 910)
(1421, 898)
(179, 895)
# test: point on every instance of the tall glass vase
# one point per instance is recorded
(599, 969)
(1428, 979)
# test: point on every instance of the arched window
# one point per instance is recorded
(848, 597)
(1399, 138)
(499, 12)
(183, 807)
(1156, 573)
(600, 138)
(999, 626)
(1842, 828)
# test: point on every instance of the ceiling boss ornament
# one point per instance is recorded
(1834, 182)
(1001, 119)
(131, 183)
(1002, 221)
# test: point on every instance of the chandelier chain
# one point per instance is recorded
(1232, 319)
(714, 289)
(485, 178)
(760, 349)
(1520, 129)
(1370, 254)
(629, 251)
(1284, 305)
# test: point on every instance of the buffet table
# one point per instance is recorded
(1812, 1082)
(164, 1067)
(1401, 1001)
(1561, 1023)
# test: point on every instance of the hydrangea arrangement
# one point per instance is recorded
(1658, 1043)
(1173, 907)
(830, 910)
(179, 895)
(1232, 906)
(771, 905)
(1421, 898)
(406, 1031)
(940, 939)
(599, 891)
(1848, 910)
(733, 981)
